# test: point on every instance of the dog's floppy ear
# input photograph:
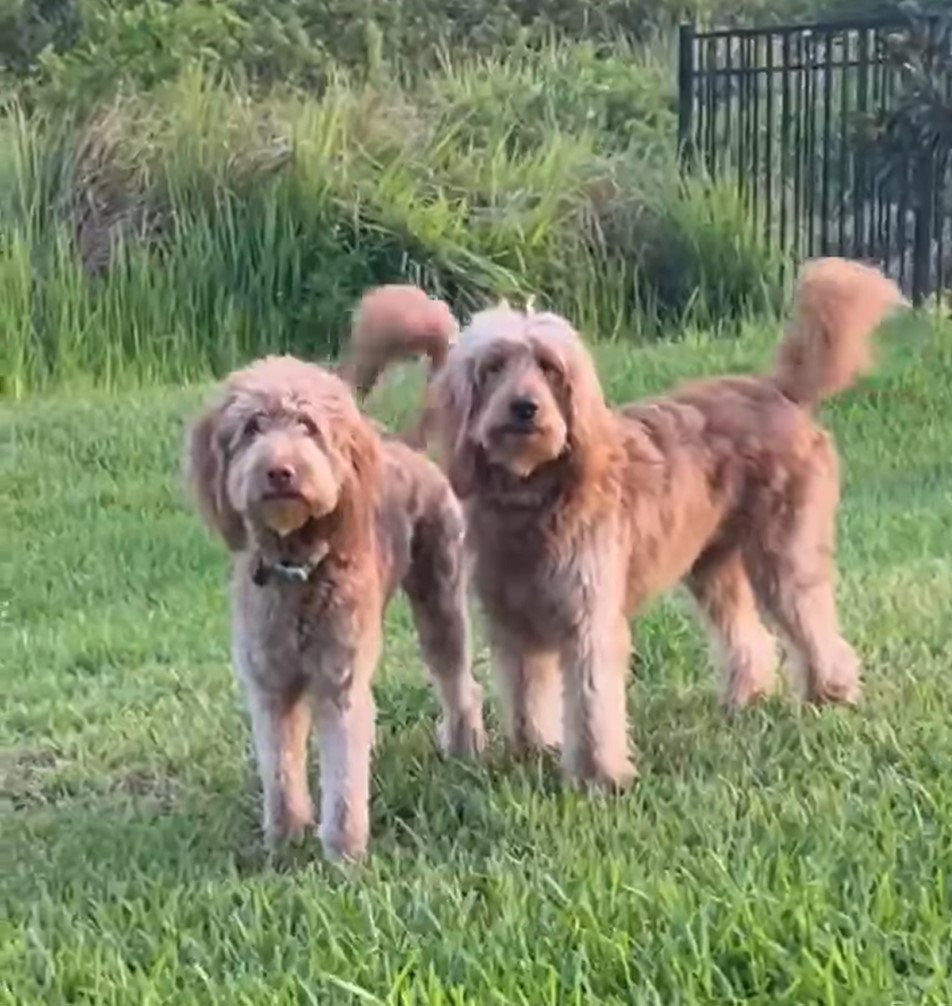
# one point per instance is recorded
(453, 394)
(351, 441)
(590, 435)
(205, 473)
(353, 447)
(356, 443)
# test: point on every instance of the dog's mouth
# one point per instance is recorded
(518, 428)
(283, 496)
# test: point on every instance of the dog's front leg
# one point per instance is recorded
(280, 722)
(531, 687)
(594, 667)
(345, 732)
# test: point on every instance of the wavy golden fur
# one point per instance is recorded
(325, 518)
(578, 513)
(392, 323)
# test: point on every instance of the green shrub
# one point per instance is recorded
(187, 183)
(180, 231)
(701, 256)
(79, 51)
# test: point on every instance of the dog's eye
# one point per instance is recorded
(307, 425)
(252, 427)
(549, 368)
(493, 367)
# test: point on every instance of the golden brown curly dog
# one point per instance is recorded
(326, 517)
(578, 514)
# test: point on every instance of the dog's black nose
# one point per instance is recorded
(281, 476)
(523, 409)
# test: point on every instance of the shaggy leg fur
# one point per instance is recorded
(280, 725)
(746, 649)
(794, 575)
(531, 687)
(595, 668)
(345, 738)
(446, 653)
(827, 663)
(436, 588)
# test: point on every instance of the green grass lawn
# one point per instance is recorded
(785, 857)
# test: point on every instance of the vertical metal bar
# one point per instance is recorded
(768, 139)
(729, 89)
(810, 151)
(700, 82)
(827, 137)
(712, 107)
(943, 178)
(742, 118)
(860, 194)
(785, 152)
(799, 141)
(924, 203)
(923, 210)
(942, 186)
(873, 243)
(889, 184)
(685, 91)
(884, 183)
(751, 169)
(844, 144)
(903, 213)
(755, 126)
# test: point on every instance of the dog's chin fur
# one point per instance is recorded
(729, 485)
(309, 587)
(522, 455)
(283, 516)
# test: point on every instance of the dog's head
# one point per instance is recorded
(519, 393)
(284, 444)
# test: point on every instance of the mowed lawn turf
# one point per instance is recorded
(785, 856)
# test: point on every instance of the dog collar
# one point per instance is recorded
(286, 572)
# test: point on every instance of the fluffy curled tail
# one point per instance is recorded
(837, 307)
(395, 323)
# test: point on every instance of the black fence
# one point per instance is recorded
(783, 113)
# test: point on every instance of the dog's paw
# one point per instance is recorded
(342, 846)
(290, 829)
(463, 735)
(844, 691)
(526, 745)
(841, 684)
(601, 778)
(740, 694)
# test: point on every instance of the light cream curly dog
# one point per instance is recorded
(326, 517)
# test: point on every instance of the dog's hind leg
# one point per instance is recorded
(805, 610)
(436, 589)
(793, 573)
(747, 651)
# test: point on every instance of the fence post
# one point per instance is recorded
(924, 201)
(685, 92)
